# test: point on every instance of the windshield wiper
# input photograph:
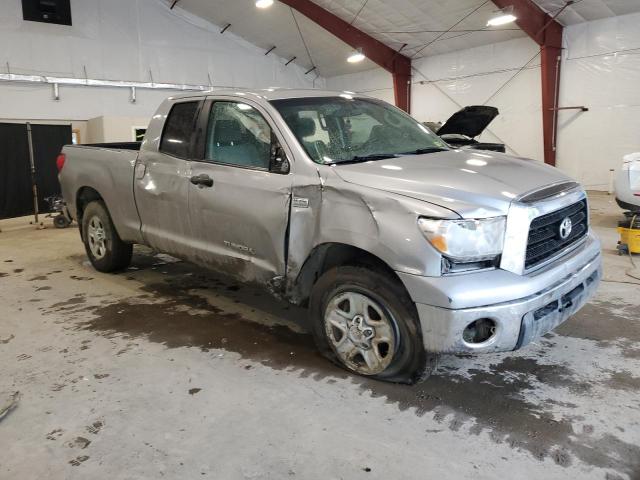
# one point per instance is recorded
(421, 151)
(366, 158)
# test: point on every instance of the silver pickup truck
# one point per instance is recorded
(401, 247)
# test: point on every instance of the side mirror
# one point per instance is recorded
(278, 163)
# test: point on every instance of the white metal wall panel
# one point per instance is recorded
(600, 70)
(471, 77)
(126, 40)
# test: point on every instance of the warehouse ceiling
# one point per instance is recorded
(423, 25)
(275, 26)
(588, 10)
(418, 27)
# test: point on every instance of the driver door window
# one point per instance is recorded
(237, 134)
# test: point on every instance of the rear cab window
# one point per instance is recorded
(179, 128)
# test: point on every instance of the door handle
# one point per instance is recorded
(202, 180)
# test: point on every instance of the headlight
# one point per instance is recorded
(465, 240)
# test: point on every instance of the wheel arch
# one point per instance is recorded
(329, 255)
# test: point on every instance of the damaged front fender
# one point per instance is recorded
(376, 223)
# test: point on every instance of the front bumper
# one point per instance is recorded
(523, 307)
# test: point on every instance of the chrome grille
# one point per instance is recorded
(545, 239)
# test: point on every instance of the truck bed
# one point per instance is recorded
(106, 168)
(115, 145)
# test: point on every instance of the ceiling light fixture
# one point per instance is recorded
(356, 56)
(502, 17)
(264, 3)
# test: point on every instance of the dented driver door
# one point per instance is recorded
(238, 209)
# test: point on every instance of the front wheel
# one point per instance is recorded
(365, 321)
(106, 251)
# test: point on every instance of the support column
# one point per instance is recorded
(550, 52)
(550, 67)
(547, 33)
(402, 85)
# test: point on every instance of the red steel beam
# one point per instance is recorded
(547, 33)
(402, 88)
(393, 62)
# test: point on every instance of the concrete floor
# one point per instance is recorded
(166, 371)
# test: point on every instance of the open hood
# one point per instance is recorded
(470, 121)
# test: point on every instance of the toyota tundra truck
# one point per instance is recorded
(401, 247)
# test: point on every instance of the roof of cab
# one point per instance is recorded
(268, 94)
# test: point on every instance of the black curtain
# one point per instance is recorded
(48, 141)
(16, 197)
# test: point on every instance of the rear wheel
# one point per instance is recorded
(106, 251)
(365, 321)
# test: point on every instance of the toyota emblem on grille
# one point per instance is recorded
(565, 228)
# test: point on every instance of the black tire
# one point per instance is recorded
(60, 221)
(117, 254)
(409, 361)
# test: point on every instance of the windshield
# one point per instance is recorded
(339, 130)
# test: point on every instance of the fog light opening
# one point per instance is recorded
(479, 331)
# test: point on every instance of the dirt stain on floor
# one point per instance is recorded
(495, 401)
(607, 324)
(38, 278)
(165, 323)
(603, 322)
(79, 442)
(624, 380)
(70, 303)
